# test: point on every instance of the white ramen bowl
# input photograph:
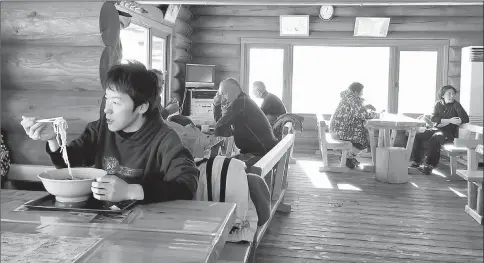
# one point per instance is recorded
(59, 183)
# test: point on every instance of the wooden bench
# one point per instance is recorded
(289, 129)
(454, 152)
(474, 178)
(327, 142)
(273, 167)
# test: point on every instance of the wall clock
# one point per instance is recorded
(326, 12)
(294, 25)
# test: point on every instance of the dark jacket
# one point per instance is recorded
(153, 157)
(272, 106)
(251, 130)
(278, 126)
(444, 110)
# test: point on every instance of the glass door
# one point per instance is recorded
(267, 64)
(417, 80)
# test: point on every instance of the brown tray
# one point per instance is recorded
(92, 205)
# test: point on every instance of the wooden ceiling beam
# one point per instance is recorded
(317, 2)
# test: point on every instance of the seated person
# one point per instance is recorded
(172, 106)
(180, 119)
(348, 121)
(447, 116)
(251, 130)
(144, 158)
(272, 106)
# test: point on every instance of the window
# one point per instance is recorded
(399, 75)
(266, 65)
(417, 81)
(134, 41)
(159, 58)
(158, 53)
(321, 73)
(150, 46)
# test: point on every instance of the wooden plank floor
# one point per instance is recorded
(354, 218)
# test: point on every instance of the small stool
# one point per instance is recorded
(391, 165)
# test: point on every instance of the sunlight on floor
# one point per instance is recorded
(439, 173)
(311, 169)
(459, 194)
(414, 184)
(348, 187)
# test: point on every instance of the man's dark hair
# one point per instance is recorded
(445, 88)
(356, 87)
(133, 79)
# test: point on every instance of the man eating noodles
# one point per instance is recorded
(144, 158)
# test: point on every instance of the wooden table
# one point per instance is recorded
(177, 231)
(388, 125)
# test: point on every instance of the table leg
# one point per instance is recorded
(392, 138)
(371, 132)
(411, 138)
(387, 138)
(381, 138)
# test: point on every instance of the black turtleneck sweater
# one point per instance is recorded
(444, 110)
(153, 157)
(251, 130)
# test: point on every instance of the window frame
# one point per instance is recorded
(160, 29)
(441, 77)
(286, 91)
(153, 32)
(441, 45)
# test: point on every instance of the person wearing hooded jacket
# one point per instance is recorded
(348, 121)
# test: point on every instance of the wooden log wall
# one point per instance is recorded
(218, 30)
(181, 55)
(49, 67)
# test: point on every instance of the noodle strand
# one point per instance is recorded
(60, 129)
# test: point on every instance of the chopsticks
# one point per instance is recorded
(49, 120)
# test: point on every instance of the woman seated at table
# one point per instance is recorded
(447, 116)
(348, 121)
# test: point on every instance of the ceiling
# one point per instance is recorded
(317, 2)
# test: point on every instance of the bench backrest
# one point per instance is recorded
(471, 145)
(273, 167)
(322, 128)
(469, 131)
(278, 154)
